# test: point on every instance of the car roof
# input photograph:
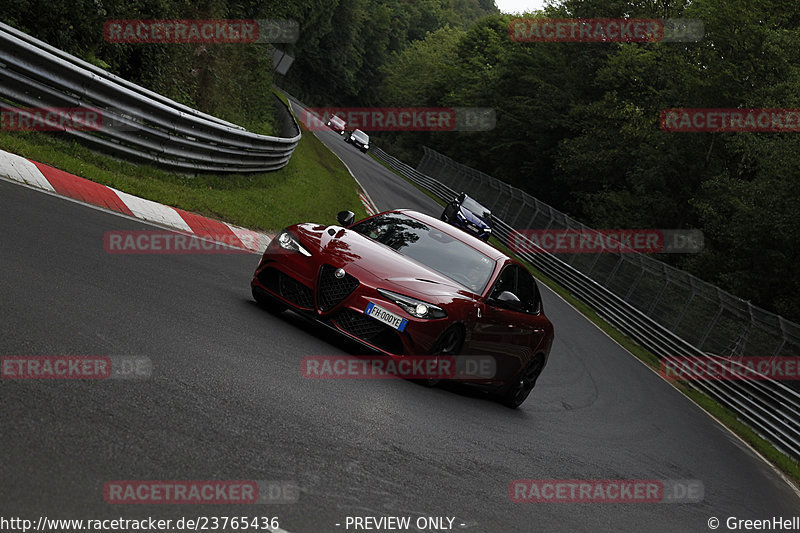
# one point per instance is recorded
(485, 248)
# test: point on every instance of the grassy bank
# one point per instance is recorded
(313, 187)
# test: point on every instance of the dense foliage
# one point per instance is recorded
(578, 127)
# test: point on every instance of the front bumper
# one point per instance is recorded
(314, 292)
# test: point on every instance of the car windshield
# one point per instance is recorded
(475, 207)
(361, 136)
(433, 248)
(336, 120)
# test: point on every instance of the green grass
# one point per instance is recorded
(313, 187)
(283, 98)
(786, 464)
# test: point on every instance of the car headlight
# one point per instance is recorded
(366, 146)
(287, 241)
(414, 307)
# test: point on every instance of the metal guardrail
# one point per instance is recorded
(768, 406)
(137, 124)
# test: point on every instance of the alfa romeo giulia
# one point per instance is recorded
(406, 284)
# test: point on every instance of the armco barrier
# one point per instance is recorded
(138, 124)
(768, 406)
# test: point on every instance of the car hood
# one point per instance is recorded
(368, 259)
(473, 218)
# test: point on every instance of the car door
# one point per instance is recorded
(509, 334)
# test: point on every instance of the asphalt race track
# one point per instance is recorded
(226, 400)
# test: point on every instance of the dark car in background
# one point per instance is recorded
(406, 284)
(359, 139)
(468, 214)
(337, 124)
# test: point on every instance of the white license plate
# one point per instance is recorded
(387, 317)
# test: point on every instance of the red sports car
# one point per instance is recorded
(404, 283)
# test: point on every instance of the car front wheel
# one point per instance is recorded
(448, 344)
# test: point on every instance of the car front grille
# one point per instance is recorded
(370, 330)
(359, 324)
(331, 290)
(287, 287)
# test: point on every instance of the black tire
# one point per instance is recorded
(517, 392)
(267, 302)
(449, 343)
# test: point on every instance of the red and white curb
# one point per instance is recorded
(40, 176)
(367, 204)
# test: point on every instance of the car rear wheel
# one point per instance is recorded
(517, 392)
(449, 343)
(267, 302)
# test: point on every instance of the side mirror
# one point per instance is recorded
(508, 300)
(346, 218)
